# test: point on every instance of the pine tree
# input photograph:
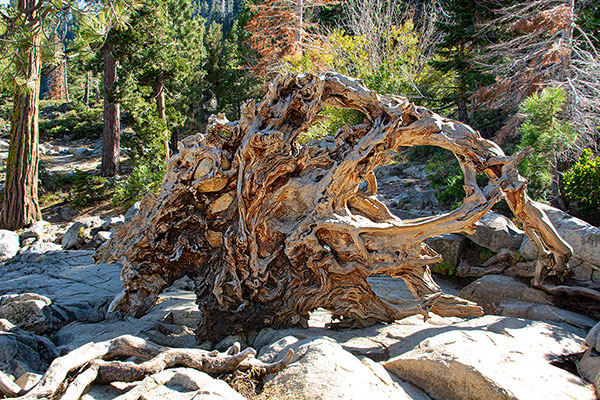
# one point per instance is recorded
(162, 54)
(20, 206)
(457, 49)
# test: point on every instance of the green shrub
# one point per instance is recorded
(78, 122)
(143, 142)
(448, 178)
(582, 183)
(444, 268)
(334, 119)
(88, 189)
(143, 179)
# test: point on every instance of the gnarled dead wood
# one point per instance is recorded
(94, 362)
(271, 230)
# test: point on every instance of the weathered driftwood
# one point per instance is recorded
(70, 376)
(271, 230)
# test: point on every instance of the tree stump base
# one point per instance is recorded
(270, 230)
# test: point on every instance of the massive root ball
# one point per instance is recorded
(270, 230)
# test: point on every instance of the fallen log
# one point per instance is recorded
(270, 230)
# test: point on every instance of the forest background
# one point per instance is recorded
(141, 75)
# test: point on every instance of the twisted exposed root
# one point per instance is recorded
(94, 362)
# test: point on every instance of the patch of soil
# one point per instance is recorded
(103, 209)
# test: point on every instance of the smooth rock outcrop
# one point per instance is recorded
(489, 291)
(583, 237)
(322, 369)
(509, 355)
(9, 244)
(489, 358)
(496, 232)
(158, 325)
(171, 384)
(542, 312)
(78, 288)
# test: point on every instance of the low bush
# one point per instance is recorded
(88, 189)
(77, 121)
(582, 184)
(143, 179)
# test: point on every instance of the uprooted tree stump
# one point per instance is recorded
(270, 230)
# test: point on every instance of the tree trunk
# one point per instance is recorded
(96, 90)
(56, 82)
(271, 230)
(160, 105)
(86, 94)
(418, 14)
(66, 79)
(20, 207)
(111, 132)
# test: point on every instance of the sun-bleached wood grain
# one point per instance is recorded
(270, 230)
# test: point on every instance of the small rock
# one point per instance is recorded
(133, 210)
(22, 352)
(83, 152)
(36, 230)
(113, 222)
(79, 231)
(74, 236)
(542, 312)
(230, 340)
(103, 236)
(67, 213)
(28, 311)
(28, 241)
(589, 368)
(269, 353)
(490, 290)
(450, 246)
(63, 151)
(9, 244)
(593, 337)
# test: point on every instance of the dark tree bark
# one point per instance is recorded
(111, 132)
(66, 79)
(20, 206)
(418, 13)
(56, 82)
(86, 94)
(271, 230)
